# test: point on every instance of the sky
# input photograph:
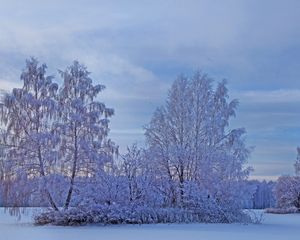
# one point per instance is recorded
(137, 49)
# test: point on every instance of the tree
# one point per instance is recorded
(52, 134)
(83, 126)
(30, 144)
(260, 194)
(138, 178)
(131, 167)
(287, 189)
(287, 192)
(191, 141)
(55, 151)
(297, 163)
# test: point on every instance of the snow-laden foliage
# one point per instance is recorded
(55, 152)
(284, 210)
(297, 163)
(190, 142)
(131, 214)
(51, 134)
(261, 194)
(83, 127)
(287, 190)
(29, 141)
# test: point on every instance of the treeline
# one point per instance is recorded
(261, 195)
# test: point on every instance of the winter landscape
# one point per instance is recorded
(275, 227)
(149, 120)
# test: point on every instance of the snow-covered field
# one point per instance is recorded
(274, 227)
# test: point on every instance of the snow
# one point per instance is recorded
(274, 227)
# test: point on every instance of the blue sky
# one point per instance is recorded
(137, 48)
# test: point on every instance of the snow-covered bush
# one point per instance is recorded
(284, 210)
(132, 214)
(287, 191)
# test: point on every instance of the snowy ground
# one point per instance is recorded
(274, 227)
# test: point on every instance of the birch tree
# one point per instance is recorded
(29, 143)
(191, 139)
(83, 126)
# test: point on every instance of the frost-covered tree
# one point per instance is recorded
(287, 192)
(131, 167)
(55, 151)
(191, 141)
(287, 189)
(51, 135)
(83, 127)
(297, 163)
(28, 142)
(139, 178)
(260, 194)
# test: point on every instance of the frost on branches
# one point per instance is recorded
(27, 139)
(51, 136)
(83, 127)
(199, 160)
(287, 191)
(55, 152)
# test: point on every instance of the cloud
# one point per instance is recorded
(136, 49)
(7, 85)
(270, 96)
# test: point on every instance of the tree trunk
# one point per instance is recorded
(69, 196)
(42, 172)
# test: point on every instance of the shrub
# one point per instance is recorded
(117, 214)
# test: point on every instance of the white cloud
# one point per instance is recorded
(270, 96)
(131, 47)
(7, 85)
